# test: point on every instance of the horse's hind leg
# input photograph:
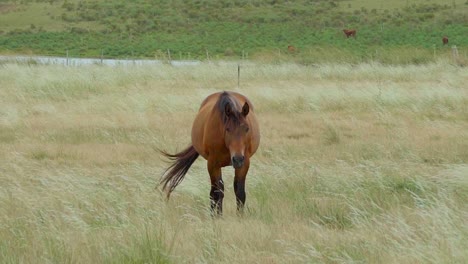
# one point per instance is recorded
(239, 185)
(217, 188)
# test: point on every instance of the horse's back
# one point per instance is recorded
(213, 98)
(202, 128)
(210, 100)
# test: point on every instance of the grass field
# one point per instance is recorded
(234, 29)
(381, 4)
(358, 164)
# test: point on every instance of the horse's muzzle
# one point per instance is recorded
(237, 161)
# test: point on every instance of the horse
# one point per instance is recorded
(445, 40)
(225, 132)
(291, 48)
(350, 32)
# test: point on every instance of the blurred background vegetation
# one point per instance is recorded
(401, 31)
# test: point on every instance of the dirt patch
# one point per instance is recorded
(6, 8)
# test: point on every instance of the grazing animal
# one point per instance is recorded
(445, 40)
(350, 33)
(224, 132)
(291, 48)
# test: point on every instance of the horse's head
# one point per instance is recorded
(236, 130)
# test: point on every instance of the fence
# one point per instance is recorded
(67, 61)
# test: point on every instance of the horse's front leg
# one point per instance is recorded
(239, 184)
(217, 188)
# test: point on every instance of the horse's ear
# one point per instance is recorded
(245, 109)
(228, 109)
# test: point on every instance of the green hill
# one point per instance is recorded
(391, 31)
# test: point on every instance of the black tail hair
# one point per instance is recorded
(182, 162)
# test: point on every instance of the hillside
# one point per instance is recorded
(232, 29)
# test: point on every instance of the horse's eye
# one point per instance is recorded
(228, 129)
(246, 129)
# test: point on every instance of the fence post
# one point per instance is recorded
(455, 53)
(102, 56)
(238, 76)
(169, 55)
(66, 63)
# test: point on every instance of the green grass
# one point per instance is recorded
(37, 14)
(369, 4)
(259, 29)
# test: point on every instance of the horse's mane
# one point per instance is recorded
(224, 99)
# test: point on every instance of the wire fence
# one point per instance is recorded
(69, 61)
(309, 56)
(72, 58)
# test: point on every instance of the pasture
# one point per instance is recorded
(361, 163)
(385, 30)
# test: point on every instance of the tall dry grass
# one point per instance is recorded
(358, 163)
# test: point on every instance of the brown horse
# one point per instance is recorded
(291, 48)
(350, 32)
(445, 40)
(225, 132)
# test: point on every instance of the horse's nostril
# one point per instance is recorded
(238, 158)
(237, 161)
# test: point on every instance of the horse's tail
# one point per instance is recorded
(176, 172)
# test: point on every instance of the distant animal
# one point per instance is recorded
(291, 48)
(225, 132)
(445, 40)
(349, 32)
